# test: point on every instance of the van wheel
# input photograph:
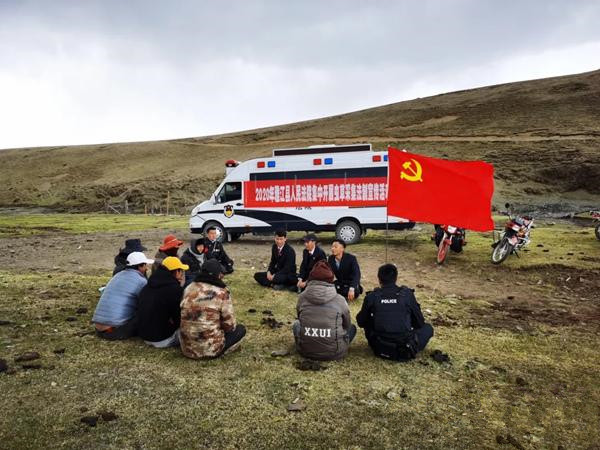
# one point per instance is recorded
(220, 230)
(235, 236)
(348, 231)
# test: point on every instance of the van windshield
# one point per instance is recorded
(230, 192)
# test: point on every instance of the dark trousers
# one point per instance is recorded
(235, 336)
(343, 288)
(423, 335)
(287, 279)
(351, 333)
(125, 331)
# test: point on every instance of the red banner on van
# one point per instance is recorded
(368, 191)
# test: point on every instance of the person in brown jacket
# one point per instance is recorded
(208, 328)
(324, 328)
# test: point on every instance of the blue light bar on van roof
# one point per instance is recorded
(328, 160)
(385, 157)
(271, 164)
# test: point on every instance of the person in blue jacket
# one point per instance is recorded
(115, 314)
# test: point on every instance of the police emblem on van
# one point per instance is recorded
(228, 211)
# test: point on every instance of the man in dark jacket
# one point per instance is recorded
(324, 328)
(159, 313)
(310, 255)
(281, 273)
(215, 250)
(131, 245)
(194, 256)
(346, 270)
(392, 319)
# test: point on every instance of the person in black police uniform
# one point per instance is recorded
(282, 268)
(346, 270)
(391, 317)
(310, 255)
(215, 250)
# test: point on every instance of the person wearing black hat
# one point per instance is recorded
(208, 327)
(346, 270)
(131, 245)
(310, 255)
(281, 273)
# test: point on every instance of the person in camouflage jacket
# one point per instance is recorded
(208, 327)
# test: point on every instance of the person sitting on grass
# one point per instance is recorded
(346, 270)
(215, 250)
(281, 273)
(194, 256)
(324, 329)
(392, 319)
(159, 312)
(170, 247)
(208, 327)
(115, 315)
(131, 245)
(310, 255)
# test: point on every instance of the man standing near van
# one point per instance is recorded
(214, 250)
(311, 254)
(281, 273)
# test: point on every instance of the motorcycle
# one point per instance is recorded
(596, 216)
(448, 237)
(514, 237)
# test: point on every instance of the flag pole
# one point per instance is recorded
(386, 235)
(386, 205)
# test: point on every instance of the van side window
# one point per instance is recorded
(230, 192)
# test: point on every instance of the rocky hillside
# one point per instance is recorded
(543, 137)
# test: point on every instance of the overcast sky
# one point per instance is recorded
(77, 72)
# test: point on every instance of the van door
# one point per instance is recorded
(230, 198)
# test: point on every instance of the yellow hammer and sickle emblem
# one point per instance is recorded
(415, 174)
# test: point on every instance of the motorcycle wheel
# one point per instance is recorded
(443, 249)
(501, 251)
(597, 231)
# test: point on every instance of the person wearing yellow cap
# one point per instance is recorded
(159, 313)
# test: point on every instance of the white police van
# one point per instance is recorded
(320, 188)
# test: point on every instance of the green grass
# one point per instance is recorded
(32, 224)
(538, 384)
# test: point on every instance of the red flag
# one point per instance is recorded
(439, 191)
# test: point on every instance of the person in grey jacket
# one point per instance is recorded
(324, 328)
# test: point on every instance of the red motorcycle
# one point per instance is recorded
(448, 237)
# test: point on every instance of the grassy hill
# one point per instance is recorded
(543, 137)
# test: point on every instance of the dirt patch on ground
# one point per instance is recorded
(573, 299)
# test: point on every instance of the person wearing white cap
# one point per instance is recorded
(115, 315)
